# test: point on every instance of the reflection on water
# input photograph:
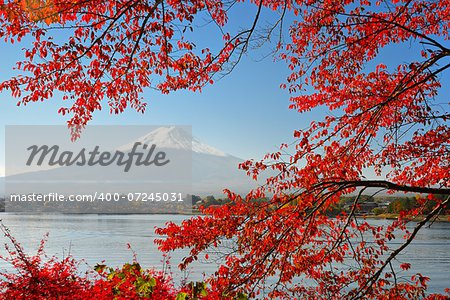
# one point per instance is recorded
(104, 237)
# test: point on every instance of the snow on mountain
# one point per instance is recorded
(174, 138)
(212, 169)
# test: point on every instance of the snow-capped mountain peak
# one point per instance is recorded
(175, 138)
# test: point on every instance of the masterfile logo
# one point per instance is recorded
(140, 154)
(108, 167)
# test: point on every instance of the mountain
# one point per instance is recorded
(212, 169)
(175, 138)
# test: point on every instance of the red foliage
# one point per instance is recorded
(40, 277)
(132, 282)
(384, 115)
(36, 277)
(114, 50)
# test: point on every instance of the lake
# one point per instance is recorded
(104, 237)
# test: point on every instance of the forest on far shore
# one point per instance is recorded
(368, 205)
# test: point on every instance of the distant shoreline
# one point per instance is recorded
(385, 216)
(440, 218)
(193, 213)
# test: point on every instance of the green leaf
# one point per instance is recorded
(139, 282)
(152, 282)
(182, 296)
(241, 296)
(111, 275)
(99, 268)
(145, 289)
(200, 289)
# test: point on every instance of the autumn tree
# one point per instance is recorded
(383, 115)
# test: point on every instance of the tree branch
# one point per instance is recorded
(388, 185)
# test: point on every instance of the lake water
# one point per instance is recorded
(105, 237)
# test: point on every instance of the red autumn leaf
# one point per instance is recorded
(405, 266)
(383, 114)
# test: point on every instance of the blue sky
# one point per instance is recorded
(245, 113)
